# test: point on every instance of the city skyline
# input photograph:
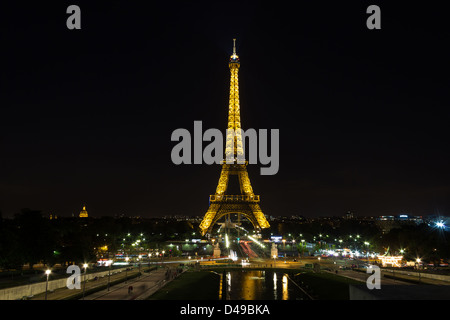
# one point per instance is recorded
(89, 113)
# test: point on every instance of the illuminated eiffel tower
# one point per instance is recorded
(246, 203)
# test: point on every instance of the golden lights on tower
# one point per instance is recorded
(247, 203)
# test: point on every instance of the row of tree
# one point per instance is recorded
(31, 238)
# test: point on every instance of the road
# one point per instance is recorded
(65, 293)
(360, 276)
(143, 287)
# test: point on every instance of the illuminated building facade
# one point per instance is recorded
(391, 261)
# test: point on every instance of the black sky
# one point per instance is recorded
(87, 115)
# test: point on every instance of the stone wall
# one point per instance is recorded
(422, 275)
(15, 293)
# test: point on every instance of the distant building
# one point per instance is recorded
(386, 223)
(83, 213)
(409, 218)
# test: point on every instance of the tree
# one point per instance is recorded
(301, 248)
(10, 255)
(35, 236)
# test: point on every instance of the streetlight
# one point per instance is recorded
(440, 224)
(126, 269)
(367, 246)
(418, 266)
(85, 271)
(109, 274)
(139, 259)
(47, 272)
(303, 248)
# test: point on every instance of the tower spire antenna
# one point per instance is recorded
(234, 57)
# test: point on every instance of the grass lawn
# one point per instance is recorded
(326, 286)
(191, 285)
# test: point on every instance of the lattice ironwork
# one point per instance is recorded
(247, 203)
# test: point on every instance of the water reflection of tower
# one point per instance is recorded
(285, 288)
(228, 285)
(275, 295)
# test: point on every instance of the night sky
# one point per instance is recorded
(87, 115)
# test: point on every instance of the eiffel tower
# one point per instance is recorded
(246, 203)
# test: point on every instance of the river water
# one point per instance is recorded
(261, 285)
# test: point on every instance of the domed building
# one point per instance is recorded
(83, 213)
